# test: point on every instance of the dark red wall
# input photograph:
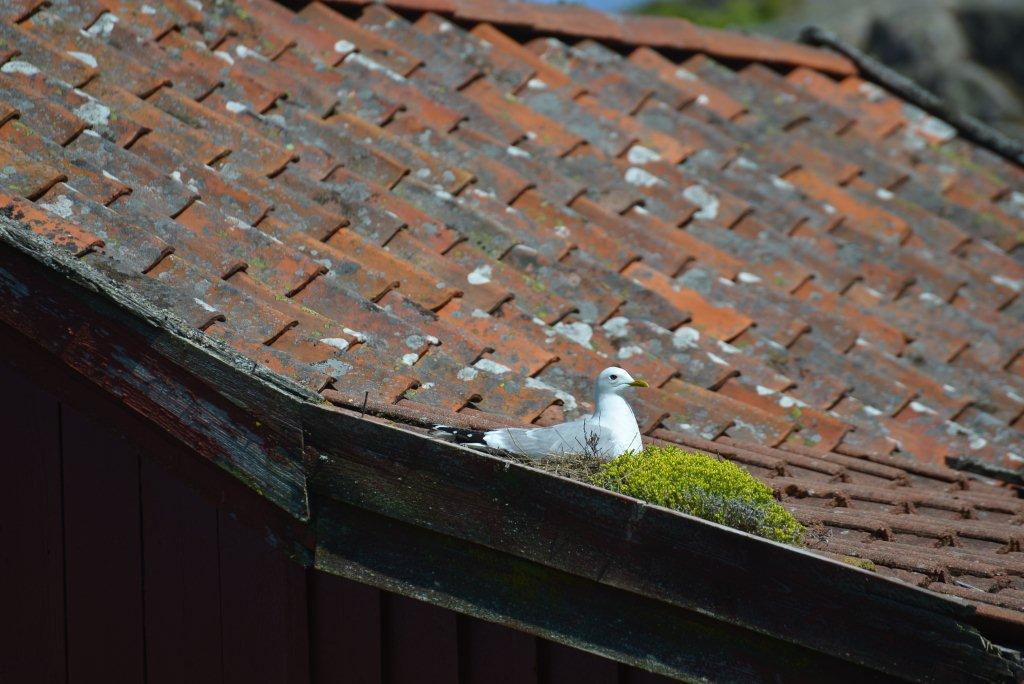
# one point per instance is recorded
(112, 569)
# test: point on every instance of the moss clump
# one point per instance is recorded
(862, 563)
(702, 486)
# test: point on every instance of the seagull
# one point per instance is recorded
(609, 432)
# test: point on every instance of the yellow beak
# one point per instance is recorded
(639, 383)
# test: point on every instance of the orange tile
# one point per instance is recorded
(724, 323)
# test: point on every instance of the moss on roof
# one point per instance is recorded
(703, 486)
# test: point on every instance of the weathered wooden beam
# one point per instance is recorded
(573, 610)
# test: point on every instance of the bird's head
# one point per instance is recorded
(615, 380)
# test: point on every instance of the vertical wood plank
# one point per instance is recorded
(565, 664)
(182, 581)
(103, 553)
(31, 534)
(490, 653)
(345, 630)
(263, 608)
(420, 642)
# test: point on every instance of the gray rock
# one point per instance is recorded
(968, 52)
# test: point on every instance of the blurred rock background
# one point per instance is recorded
(969, 52)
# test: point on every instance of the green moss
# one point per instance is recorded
(719, 13)
(702, 486)
(862, 563)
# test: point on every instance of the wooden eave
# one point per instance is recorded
(389, 507)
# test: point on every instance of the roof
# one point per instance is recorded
(458, 213)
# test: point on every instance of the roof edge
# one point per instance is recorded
(873, 70)
(662, 33)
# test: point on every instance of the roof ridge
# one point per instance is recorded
(664, 33)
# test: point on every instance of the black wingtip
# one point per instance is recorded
(459, 435)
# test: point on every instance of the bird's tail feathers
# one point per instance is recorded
(459, 435)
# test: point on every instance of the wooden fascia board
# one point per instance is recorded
(259, 427)
(557, 605)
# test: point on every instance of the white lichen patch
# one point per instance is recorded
(629, 352)
(244, 52)
(717, 359)
(685, 74)
(61, 206)
(638, 154)
(361, 337)
(204, 305)
(728, 348)
(102, 26)
(492, 367)
(93, 113)
(918, 407)
(83, 57)
(708, 202)
(234, 107)
(16, 66)
(1015, 285)
(336, 342)
(467, 373)
(781, 184)
(871, 410)
(746, 163)
(789, 402)
(536, 84)
(883, 194)
(636, 176)
(685, 338)
(749, 278)
(369, 64)
(616, 327)
(410, 359)
(480, 275)
(344, 46)
(578, 332)
(514, 151)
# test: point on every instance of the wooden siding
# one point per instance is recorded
(114, 569)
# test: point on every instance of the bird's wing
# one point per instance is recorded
(583, 436)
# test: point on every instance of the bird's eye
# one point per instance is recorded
(614, 377)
